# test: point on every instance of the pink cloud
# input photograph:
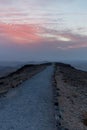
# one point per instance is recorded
(31, 33)
(20, 33)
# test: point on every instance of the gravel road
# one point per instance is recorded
(30, 106)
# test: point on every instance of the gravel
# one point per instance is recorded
(30, 106)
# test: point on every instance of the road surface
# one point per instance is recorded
(30, 106)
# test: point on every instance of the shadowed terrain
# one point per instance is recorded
(59, 84)
(30, 106)
(71, 94)
(19, 76)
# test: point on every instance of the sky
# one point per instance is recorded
(50, 30)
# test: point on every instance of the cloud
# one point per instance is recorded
(24, 34)
(52, 1)
(20, 33)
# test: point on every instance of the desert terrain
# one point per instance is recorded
(71, 95)
(58, 90)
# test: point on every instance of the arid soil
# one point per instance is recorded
(30, 105)
(15, 78)
(71, 89)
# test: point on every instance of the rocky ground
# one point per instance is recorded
(71, 97)
(29, 106)
(13, 79)
(70, 92)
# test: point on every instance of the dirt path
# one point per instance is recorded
(30, 106)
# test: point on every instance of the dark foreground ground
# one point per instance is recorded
(17, 77)
(30, 106)
(71, 95)
(37, 95)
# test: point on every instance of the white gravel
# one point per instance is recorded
(30, 106)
